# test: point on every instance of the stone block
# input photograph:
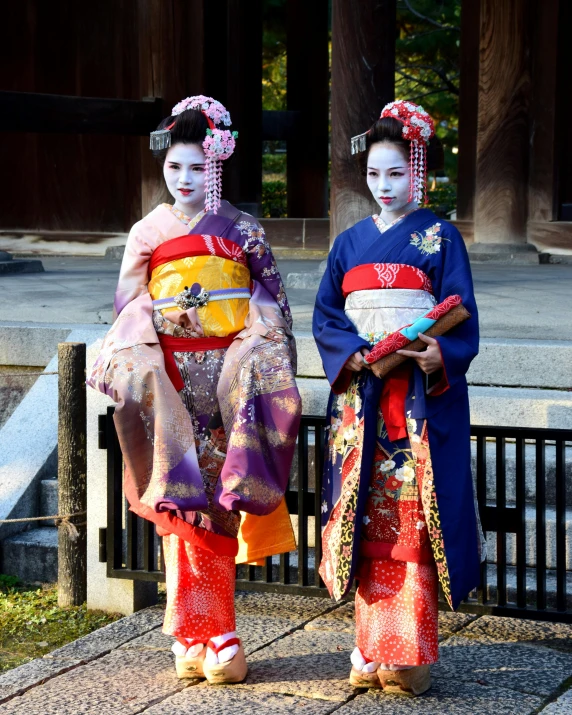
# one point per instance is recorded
(522, 363)
(311, 664)
(495, 629)
(122, 683)
(18, 680)
(519, 254)
(227, 700)
(450, 622)
(307, 279)
(27, 265)
(32, 555)
(299, 609)
(102, 641)
(561, 706)
(34, 345)
(340, 619)
(48, 500)
(314, 393)
(527, 668)
(446, 696)
(520, 407)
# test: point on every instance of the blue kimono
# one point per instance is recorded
(435, 249)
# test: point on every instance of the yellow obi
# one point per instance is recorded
(206, 275)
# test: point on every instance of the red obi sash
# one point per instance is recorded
(170, 345)
(385, 275)
(195, 244)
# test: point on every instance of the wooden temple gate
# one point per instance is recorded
(83, 84)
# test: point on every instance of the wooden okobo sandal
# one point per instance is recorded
(233, 671)
(411, 682)
(359, 679)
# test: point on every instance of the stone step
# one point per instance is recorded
(510, 363)
(500, 406)
(48, 500)
(31, 555)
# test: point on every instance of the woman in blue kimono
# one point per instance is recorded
(398, 507)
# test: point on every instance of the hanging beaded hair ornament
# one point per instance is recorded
(418, 129)
(218, 145)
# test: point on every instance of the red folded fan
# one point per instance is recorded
(447, 315)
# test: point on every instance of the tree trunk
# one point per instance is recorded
(72, 469)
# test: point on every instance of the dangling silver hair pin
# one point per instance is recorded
(358, 143)
(161, 139)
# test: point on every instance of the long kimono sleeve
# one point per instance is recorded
(334, 333)
(133, 277)
(460, 345)
(262, 264)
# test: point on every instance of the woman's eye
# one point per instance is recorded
(174, 166)
(371, 173)
(200, 169)
(396, 173)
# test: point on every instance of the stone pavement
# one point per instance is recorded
(298, 651)
(529, 302)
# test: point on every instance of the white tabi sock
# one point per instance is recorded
(360, 663)
(192, 652)
(225, 654)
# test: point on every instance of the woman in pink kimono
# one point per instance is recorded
(200, 364)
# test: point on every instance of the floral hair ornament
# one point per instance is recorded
(418, 129)
(218, 145)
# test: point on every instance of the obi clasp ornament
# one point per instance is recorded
(194, 297)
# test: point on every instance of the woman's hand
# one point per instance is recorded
(356, 362)
(429, 360)
(187, 319)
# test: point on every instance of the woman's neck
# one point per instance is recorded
(391, 216)
(190, 210)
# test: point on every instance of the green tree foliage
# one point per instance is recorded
(427, 65)
(274, 55)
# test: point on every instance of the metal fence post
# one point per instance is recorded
(72, 469)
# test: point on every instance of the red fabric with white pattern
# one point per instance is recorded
(397, 341)
(370, 276)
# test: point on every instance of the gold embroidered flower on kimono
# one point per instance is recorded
(430, 243)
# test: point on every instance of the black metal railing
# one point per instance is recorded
(523, 577)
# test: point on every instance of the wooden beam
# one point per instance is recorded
(363, 81)
(308, 93)
(60, 114)
(468, 107)
(503, 123)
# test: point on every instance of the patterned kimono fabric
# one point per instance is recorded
(200, 575)
(396, 598)
(397, 565)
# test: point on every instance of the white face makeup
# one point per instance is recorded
(184, 173)
(388, 180)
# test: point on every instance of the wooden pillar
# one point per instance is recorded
(72, 471)
(363, 81)
(503, 123)
(468, 107)
(543, 193)
(242, 179)
(308, 93)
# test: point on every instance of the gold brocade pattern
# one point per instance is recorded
(263, 370)
(431, 509)
(218, 318)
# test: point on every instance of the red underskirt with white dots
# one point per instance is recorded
(200, 591)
